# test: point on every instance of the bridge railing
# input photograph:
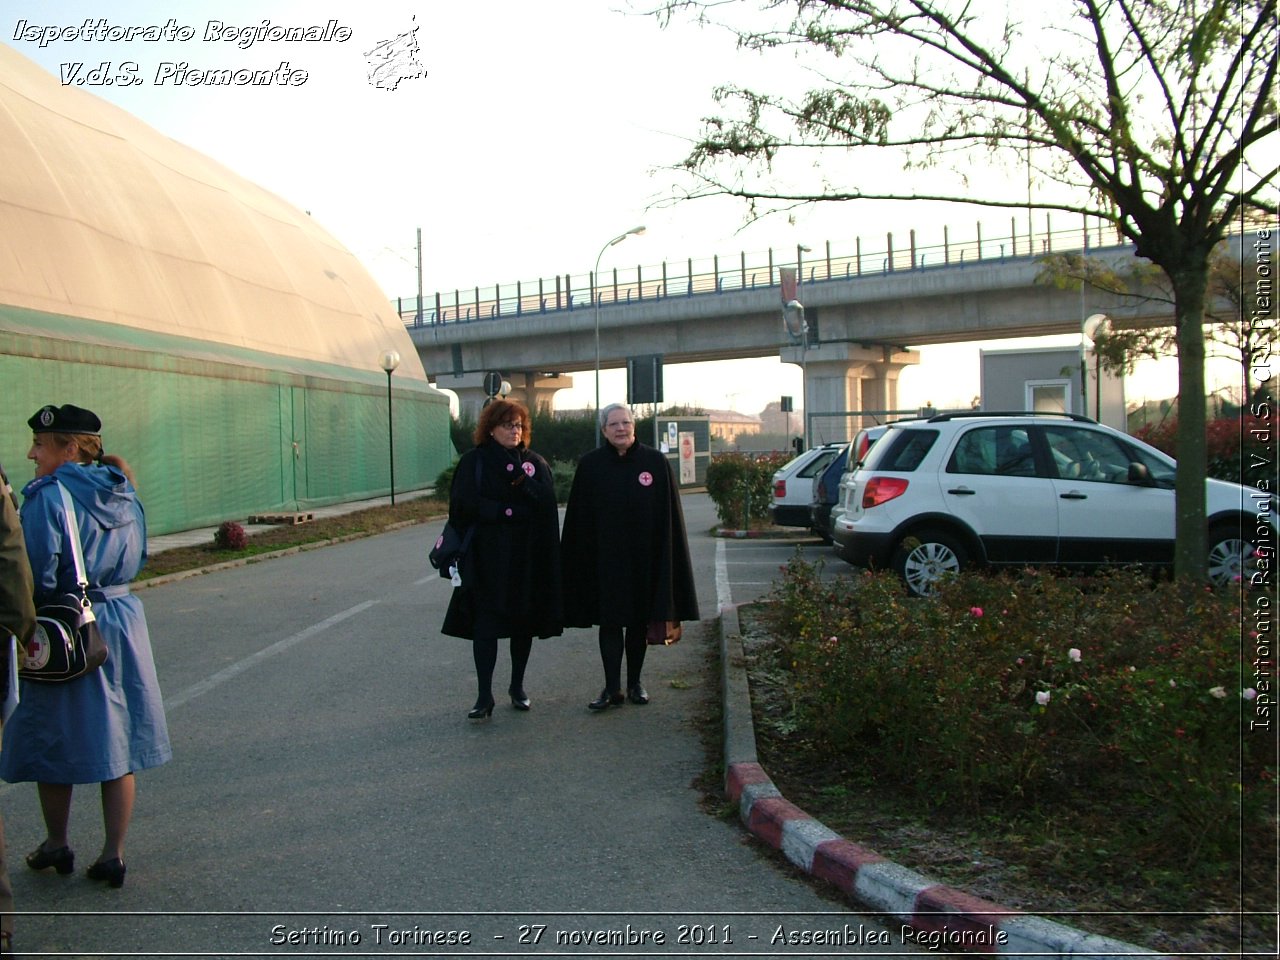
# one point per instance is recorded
(720, 275)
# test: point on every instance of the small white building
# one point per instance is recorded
(1059, 379)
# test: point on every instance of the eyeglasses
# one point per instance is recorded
(512, 424)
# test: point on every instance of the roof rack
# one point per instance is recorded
(1010, 413)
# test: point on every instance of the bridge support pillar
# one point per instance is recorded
(844, 379)
(534, 390)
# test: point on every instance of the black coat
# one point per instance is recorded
(511, 573)
(624, 547)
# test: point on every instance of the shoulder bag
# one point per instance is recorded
(452, 544)
(67, 643)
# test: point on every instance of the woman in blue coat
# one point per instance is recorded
(107, 725)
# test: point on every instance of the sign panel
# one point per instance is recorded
(688, 469)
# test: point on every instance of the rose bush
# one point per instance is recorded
(230, 536)
(1114, 698)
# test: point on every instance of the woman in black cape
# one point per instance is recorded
(510, 575)
(625, 553)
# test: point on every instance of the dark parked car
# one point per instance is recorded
(826, 485)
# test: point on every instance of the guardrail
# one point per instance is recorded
(746, 272)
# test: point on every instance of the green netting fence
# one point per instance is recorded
(212, 440)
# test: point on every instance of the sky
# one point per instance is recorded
(532, 134)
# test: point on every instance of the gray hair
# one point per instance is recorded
(605, 411)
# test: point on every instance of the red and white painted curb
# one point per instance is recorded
(958, 922)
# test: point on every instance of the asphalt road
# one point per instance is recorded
(329, 797)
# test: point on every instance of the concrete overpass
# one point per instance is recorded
(865, 313)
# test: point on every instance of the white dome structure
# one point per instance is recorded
(147, 282)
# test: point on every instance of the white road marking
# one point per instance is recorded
(280, 646)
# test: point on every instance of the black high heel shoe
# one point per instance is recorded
(481, 710)
(606, 700)
(63, 859)
(519, 699)
(112, 871)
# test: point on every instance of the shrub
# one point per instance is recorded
(444, 481)
(565, 437)
(1037, 692)
(741, 486)
(1229, 442)
(561, 472)
(230, 536)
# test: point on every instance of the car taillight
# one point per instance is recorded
(881, 490)
(779, 488)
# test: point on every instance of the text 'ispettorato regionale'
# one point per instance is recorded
(179, 72)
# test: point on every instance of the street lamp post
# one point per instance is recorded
(390, 360)
(595, 297)
(793, 318)
(801, 250)
(1095, 327)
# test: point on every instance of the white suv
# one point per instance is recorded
(936, 496)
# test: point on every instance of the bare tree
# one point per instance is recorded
(1227, 331)
(1154, 115)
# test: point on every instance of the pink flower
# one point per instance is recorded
(1043, 698)
(976, 611)
(1249, 693)
(1074, 654)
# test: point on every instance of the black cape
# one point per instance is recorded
(624, 548)
(511, 573)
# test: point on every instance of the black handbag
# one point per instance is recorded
(452, 544)
(67, 642)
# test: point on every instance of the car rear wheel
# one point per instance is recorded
(1229, 556)
(925, 558)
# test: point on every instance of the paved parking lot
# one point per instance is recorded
(748, 569)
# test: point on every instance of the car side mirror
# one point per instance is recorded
(1139, 474)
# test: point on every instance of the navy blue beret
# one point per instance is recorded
(64, 419)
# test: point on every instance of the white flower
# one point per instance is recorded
(1074, 654)
(1173, 684)
(1043, 698)
(1219, 692)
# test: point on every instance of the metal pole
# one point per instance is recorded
(391, 443)
(419, 323)
(804, 368)
(1084, 375)
(1097, 384)
(595, 297)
